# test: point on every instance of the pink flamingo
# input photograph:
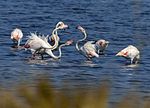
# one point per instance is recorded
(16, 36)
(130, 52)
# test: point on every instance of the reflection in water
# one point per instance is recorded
(89, 63)
(36, 61)
(45, 61)
(133, 66)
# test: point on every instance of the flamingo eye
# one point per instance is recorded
(61, 24)
(100, 43)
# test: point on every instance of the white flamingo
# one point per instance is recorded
(130, 52)
(16, 36)
(54, 36)
(37, 44)
(88, 49)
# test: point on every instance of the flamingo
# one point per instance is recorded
(88, 49)
(16, 36)
(38, 44)
(34, 43)
(130, 52)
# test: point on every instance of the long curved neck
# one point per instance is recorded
(60, 50)
(55, 39)
(77, 44)
(56, 33)
(51, 53)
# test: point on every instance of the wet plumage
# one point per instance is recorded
(39, 44)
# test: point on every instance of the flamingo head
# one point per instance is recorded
(81, 29)
(123, 53)
(27, 46)
(61, 25)
(102, 43)
(69, 42)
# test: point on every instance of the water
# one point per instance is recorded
(122, 22)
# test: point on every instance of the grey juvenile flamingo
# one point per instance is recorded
(91, 48)
(88, 49)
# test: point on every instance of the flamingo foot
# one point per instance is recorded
(33, 57)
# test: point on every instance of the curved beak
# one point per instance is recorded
(69, 42)
(66, 26)
(119, 54)
(107, 42)
(12, 37)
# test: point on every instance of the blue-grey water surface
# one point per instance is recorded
(121, 22)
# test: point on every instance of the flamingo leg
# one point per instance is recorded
(135, 60)
(18, 42)
(132, 60)
(42, 57)
(88, 58)
(40, 54)
(33, 57)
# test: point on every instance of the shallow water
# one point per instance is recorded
(121, 22)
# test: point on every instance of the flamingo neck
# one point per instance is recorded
(56, 33)
(77, 44)
(60, 53)
(54, 56)
(55, 38)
